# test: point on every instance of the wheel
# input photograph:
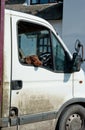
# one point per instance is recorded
(73, 118)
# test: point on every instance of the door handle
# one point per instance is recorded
(16, 84)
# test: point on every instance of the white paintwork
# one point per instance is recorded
(42, 90)
(7, 66)
(41, 87)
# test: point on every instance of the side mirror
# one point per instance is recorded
(77, 45)
(76, 62)
(77, 58)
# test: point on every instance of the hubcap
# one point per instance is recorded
(74, 122)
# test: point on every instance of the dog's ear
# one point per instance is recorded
(28, 60)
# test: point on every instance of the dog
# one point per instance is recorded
(34, 60)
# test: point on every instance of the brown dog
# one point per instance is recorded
(34, 60)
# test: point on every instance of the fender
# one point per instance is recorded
(80, 101)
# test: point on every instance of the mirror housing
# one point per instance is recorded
(76, 62)
(77, 58)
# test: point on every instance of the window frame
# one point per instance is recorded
(39, 2)
(53, 60)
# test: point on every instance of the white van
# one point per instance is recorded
(45, 94)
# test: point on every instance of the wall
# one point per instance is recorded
(57, 24)
(73, 26)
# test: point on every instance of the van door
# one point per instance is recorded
(37, 90)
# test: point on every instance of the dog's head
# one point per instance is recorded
(34, 60)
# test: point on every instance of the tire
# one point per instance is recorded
(73, 118)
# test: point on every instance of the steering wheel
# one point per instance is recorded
(45, 58)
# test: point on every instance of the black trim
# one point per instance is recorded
(16, 84)
(25, 119)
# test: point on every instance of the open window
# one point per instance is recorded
(34, 40)
(37, 41)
